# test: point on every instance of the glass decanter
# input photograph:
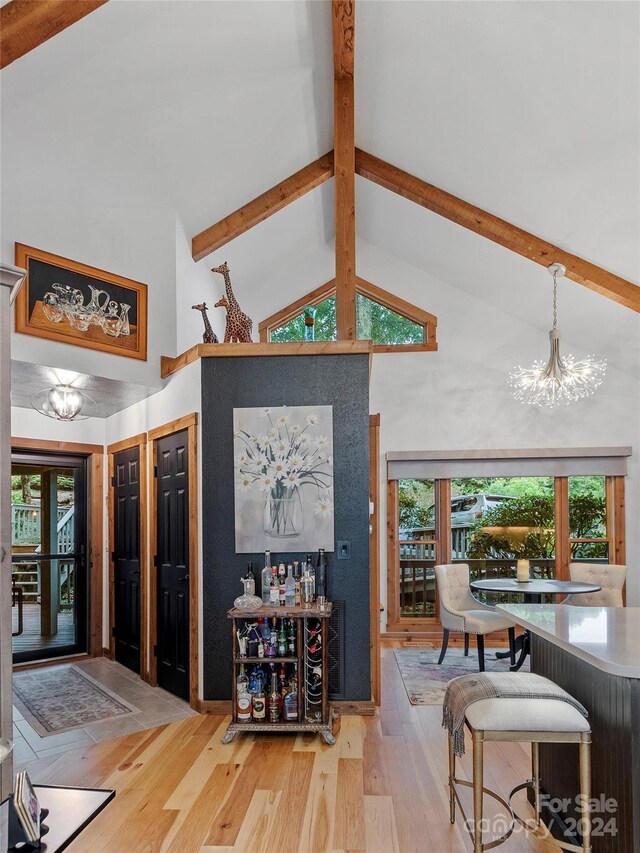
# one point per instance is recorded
(247, 601)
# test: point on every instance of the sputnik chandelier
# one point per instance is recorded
(560, 380)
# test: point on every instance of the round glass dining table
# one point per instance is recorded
(532, 590)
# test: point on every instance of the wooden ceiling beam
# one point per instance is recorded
(497, 230)
(262, 207)
(344, 162)
(25, 24)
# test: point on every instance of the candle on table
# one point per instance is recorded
(523, 570)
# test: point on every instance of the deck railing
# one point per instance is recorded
(25, 526)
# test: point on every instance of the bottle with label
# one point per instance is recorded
(243, 697)
(260, 648)
(265, 577)
(297, 576)
(258, 706)
(289, 588)
(283, 684)
(274, 699)
(290, 701)
(309, 568)
(282, 640)
(251, 586)
(321, 575)
(306, 589)
(291, 638)
(274, 589)
(281, 585)
(263, 628)
(272, 649)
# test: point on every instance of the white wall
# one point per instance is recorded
(458, 398)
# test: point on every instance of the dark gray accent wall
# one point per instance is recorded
(341, 381)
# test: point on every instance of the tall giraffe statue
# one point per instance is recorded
(238, 328)
(209, 336)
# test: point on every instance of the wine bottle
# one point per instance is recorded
(274, 589)
(321, 575)
(291, 638)
(282, 640)
(265, 577)
(243, 697)
(274, 699)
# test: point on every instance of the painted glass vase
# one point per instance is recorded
(282, 513)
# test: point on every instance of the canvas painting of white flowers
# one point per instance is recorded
(283, 461)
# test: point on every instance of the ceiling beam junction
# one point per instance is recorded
(26, 24)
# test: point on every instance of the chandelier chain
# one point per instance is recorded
(555, 300)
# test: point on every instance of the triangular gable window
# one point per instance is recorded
(391, 323)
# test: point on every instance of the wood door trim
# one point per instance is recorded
(393, 607)
(374, 555)
(173, 426)
(94, 454)
(140, 441)
(190, 423)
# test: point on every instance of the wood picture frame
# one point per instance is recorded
(72, 303)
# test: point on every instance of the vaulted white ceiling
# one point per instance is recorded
(529, 110)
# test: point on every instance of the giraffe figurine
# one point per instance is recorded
(209, 336)
(238, 329)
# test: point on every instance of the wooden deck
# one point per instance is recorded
(31, 639)
(382, 787)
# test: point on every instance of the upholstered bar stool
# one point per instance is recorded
(520, 720)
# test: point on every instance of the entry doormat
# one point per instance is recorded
(426, 682)
(64, 697)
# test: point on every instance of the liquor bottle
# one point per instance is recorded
(290, 701)
(291, 638)
(274, 589)
(258, 709)
(265, 577)
(254, 681)
(282, 640)
(251, 586)
(260, 648)
(274, 699)
(290, 588)
(263, 627)
(283, 684)
(321, 576)
(281, 585)
(272, 649)
(243, 697)
(306, 589)
(297, 576)
(309, 568)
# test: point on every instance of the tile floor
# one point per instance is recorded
(156, 707)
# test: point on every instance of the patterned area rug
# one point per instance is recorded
(426, 682)
(63, 698)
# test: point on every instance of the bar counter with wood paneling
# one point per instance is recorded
(594, 653)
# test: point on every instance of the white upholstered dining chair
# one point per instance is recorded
(609, 576)
(460, 611)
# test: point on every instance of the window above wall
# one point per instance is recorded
(391, 323)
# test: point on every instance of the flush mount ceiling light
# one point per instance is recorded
(64, 403)
(560, 380)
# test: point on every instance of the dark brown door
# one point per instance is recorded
(173, 563)
(126, 557)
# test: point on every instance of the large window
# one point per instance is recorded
(490, 523)
(392, 324)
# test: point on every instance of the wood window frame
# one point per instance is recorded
(616, 535)
(429, 322)
(190, 423)
(139, 441)
(94, 454)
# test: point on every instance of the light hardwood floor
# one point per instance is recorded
(382, 787)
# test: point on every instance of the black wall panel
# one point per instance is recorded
(341, 381)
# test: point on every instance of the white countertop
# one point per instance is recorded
(605, 637)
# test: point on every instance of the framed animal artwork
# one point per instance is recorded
(72, 303)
